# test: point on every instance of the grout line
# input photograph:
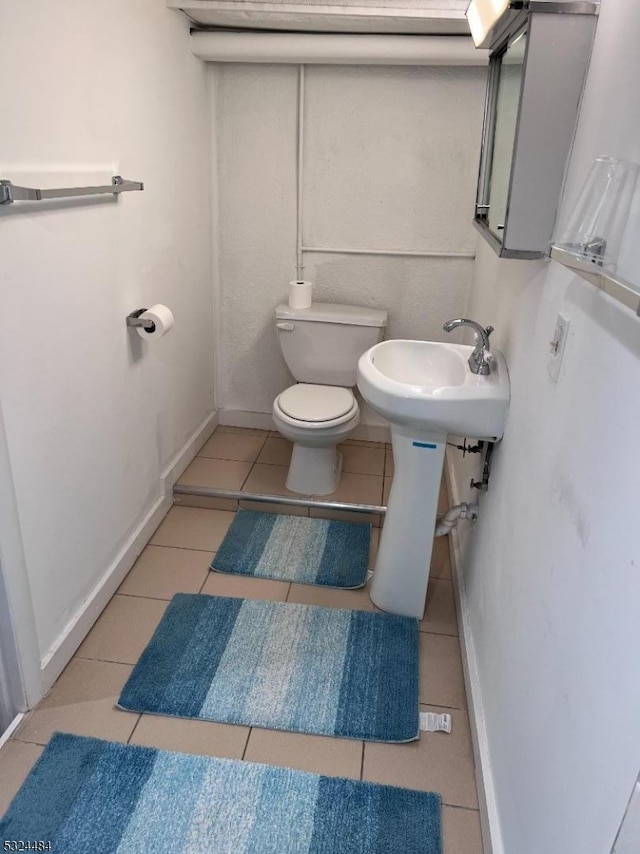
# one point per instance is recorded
(274, 465)
(105, 660)
(135, 726)
(362, 762)
(441, 634)
(253, 465)
(224, 459)
(443, 706)
(26, 741)
(246, 744)
(459, 807)
(189, 548)
(428, 631)
(139, 596)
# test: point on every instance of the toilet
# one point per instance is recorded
(321, 346)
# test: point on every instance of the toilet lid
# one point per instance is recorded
(307, 402)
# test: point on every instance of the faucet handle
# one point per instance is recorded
(488, 330)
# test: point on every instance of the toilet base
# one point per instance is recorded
(314, 471)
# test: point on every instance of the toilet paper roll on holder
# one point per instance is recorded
(134, 320)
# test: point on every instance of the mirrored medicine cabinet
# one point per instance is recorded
(537, 70)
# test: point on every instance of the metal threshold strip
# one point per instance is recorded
(238, 495)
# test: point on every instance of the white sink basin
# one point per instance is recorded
(428, 385)
(426, 390)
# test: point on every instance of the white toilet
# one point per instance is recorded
(321, 346)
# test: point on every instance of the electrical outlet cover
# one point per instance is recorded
(557, 345)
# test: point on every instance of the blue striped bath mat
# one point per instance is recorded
(295, 548)
(282, 666)
(86, 795)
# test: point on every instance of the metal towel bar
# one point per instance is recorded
(11, 193)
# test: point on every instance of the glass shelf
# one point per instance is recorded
(619, 289)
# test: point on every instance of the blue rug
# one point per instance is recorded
(295, 548)
(282, 666)
(86, 795)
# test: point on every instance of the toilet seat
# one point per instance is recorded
(316, 406)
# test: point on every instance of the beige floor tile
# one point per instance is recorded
(191, 736)
(215, 474)
(440, 613)
(204, 502)
(193, 528)
(461, 833)
(330, 597)
(441, 680)
(440, 558)
(365, 443)
(160, 572)
(386, 490)
(16, 760)
(362, 459)
(438, 762)
(269, 479)
(346, 516)
(123, 629)
(242, 431)
(83, 702)
(388, 462)
(357, 489)
(243, 587)
(276, 452)
(286, 509)
(232, 446)
(337, 757)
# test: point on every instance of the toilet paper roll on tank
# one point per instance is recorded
(162, 319)
(300, 294)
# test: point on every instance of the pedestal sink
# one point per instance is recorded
(426, 390)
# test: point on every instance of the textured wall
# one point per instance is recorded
(391, 159)
(93, 416)
(551, 568)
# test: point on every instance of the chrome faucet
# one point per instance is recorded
(478, 362)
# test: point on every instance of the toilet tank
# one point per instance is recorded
(322, 344)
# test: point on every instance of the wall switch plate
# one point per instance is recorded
(557, 345)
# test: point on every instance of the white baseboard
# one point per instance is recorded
(13, 726)
(75, 631)
(264, 421)
(186, 454)
(489, 816)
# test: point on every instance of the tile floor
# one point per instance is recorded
(257, 461)
(177, 560)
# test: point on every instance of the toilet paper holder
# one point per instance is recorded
(134, 320)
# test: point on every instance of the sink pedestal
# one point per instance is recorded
(401, 575)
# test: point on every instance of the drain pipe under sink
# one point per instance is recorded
(453, 514)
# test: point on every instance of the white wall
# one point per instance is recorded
(390, 162)
(94, 416)
(552, 592)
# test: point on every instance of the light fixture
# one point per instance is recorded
(595, 227)
(482, 16)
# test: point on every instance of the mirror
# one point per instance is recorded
(536, 77)
(508, 70)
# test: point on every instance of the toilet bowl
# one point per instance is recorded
(321, 346)
(316, 419)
